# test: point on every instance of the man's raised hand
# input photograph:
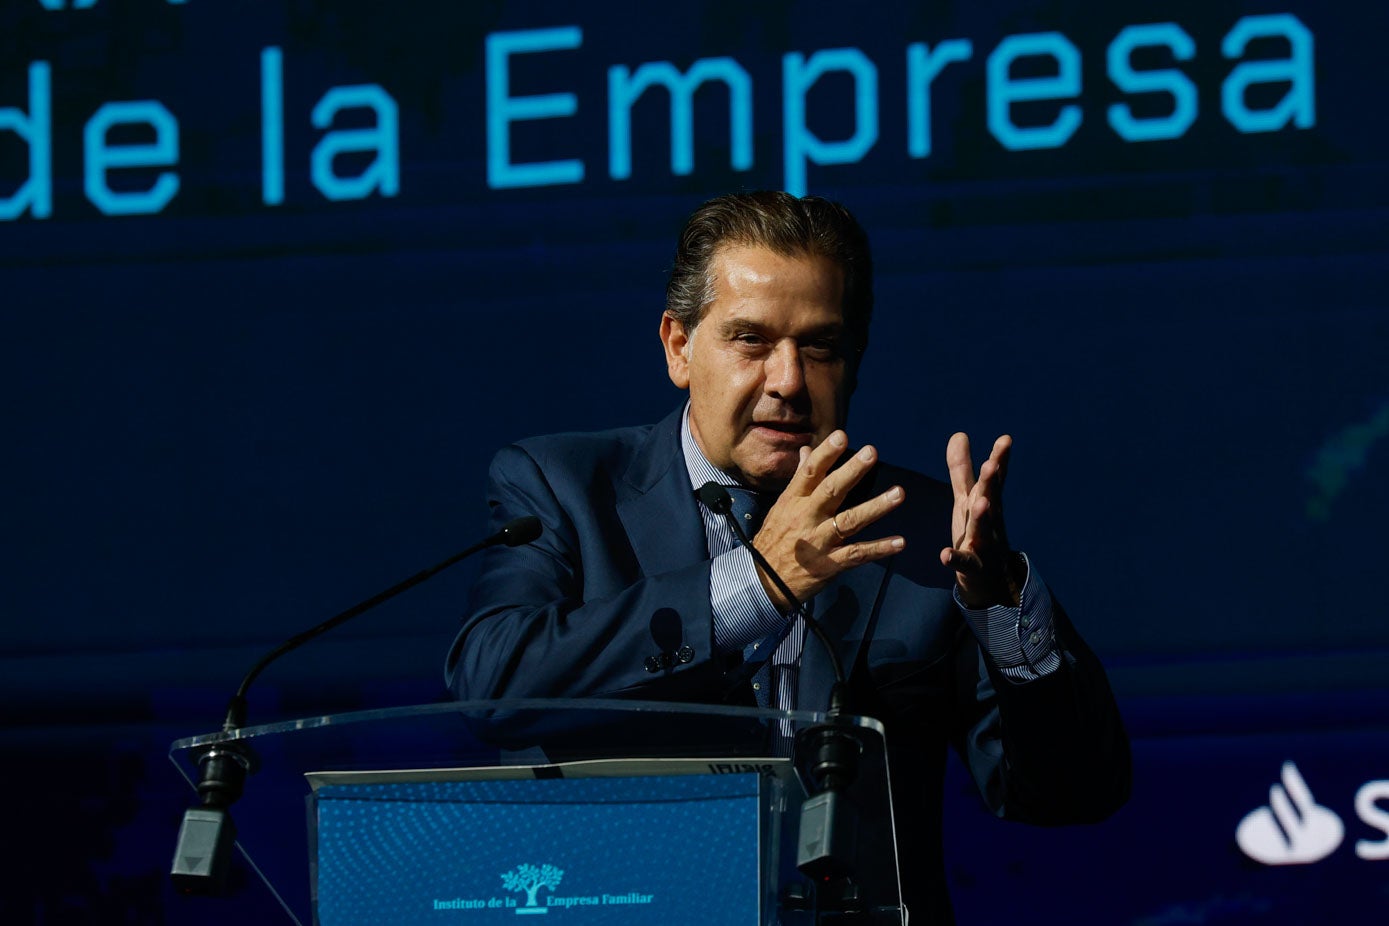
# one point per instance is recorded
(985, 569)
(806, 538)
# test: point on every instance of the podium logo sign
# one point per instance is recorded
(530, 879)
(1293, 829)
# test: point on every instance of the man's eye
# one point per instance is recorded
(822, 349)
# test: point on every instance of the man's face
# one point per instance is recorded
(766, 366)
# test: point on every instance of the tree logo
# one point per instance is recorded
(531, 878)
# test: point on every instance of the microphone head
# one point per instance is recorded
(520, 531)
(715, 497)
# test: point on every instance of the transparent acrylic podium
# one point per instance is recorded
(588, 811)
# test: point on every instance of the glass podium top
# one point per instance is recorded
(464, 743)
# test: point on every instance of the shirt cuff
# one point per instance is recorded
(743, 612)
(1021, 641)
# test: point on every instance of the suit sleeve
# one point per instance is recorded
(1051, 750)
(571, 615)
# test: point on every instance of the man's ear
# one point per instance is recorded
(676, 340)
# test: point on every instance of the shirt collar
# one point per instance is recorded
(696, 463)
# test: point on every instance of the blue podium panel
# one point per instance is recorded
(668, 849)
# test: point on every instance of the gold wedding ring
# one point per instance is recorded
(834, 519)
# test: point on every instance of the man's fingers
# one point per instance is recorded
(977, 522)
(961, 561)
(855, 554)
(998, 465)
(815, 463)
(990, 484)
(837, 485)
(958, 462)
(852, 520)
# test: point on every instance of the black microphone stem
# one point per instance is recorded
(827, 754)
(203, 852)
(836, 693)
(513, 533)
(716, 497)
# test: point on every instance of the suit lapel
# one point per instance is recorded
(657, 505)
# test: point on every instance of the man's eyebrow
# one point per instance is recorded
(739, 326)
(736, 326)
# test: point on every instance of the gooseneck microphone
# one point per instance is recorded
(828, 753)
(205, 839)
(716, 499)
(514, 533)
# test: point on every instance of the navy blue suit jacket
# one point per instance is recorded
(621, 574)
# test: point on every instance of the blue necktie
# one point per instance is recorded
(749, 507)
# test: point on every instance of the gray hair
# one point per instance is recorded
(786, 225)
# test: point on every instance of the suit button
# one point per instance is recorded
(653, 663)
(685, 653)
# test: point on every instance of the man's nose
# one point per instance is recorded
(783, 371)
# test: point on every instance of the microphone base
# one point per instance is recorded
(828, 837)
(202, 855)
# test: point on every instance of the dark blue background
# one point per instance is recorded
(229, 420)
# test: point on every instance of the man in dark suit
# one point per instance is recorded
(636, 589)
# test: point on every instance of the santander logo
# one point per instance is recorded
(1295, 830)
